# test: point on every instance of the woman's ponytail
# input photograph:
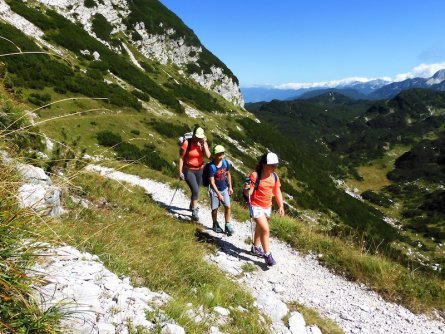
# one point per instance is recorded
(259, 168)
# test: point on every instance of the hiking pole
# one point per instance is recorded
(250, 210)
(251, 223)
(174, 194)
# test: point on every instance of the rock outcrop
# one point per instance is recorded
(38, 192)
(94, 299)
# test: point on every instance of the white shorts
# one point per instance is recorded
(258, 212)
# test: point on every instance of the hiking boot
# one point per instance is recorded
(258, 251)
(195, 214)
(216, 228)
(269, 260)
(229, 229)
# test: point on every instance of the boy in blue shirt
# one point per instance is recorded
(220, 189)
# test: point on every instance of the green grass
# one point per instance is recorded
(133, 236)
(374, 173)
(19, 312)
(419, 291)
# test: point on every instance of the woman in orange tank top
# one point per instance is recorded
(264, 184)
(191, 164)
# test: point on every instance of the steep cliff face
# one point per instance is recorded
(163, 44)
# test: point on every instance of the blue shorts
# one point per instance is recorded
(214, 201)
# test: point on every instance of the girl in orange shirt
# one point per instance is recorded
(264, 184)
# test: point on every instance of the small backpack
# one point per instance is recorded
(184, 137)
(257, 184)
(207, 169)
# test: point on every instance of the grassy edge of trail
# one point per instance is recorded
(133, 236)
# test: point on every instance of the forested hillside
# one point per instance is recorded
(399, 141)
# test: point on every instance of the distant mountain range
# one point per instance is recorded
(371, 90)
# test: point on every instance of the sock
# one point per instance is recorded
(267, 254)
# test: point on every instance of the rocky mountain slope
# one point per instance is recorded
(130, 23)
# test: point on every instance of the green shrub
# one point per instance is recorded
(153, 159)
(378, 199)
(193, 68)
(108, 138)
(128, 151)
(95, 74)
(89, 3)
(141, 95)
(101, 27)
(39, 99)
(135, 36)
(147, 67)
(202, 100)
(169, 130)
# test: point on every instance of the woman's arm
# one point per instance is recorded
(181, 163)
(206, 148)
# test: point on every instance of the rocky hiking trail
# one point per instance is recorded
(295, 278)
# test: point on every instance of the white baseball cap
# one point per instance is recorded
(271, 159)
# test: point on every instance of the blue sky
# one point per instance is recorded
(266, 42)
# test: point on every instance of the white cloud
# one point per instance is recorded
(421, 71)
(326, 84)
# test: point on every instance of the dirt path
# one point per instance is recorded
(352, 306)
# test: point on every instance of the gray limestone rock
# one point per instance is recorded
(172, 329)
(297, 325)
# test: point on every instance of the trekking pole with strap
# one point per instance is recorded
(250, 210)
(251, 223)
(174, 194)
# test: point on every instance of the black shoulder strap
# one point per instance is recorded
(258, 179)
